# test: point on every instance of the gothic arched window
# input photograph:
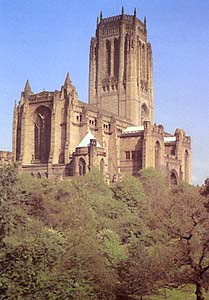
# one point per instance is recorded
(42, 134)
(82, 167)
(144, 113)
(173, 178)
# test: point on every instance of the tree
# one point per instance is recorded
(138, 275)
(129, 193)
(204, 191)
(50, 247)
(205, 188)
(183, 222)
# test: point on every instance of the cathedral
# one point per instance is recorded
(55, 135)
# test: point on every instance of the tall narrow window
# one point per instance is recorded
(143, 62)
(128, 155)
(125, 58)
(108, 57)
(186, 166)
(157, 155)
(133, 155)
(102, 163)
(116, 58)
(18, 137)
(42, 134)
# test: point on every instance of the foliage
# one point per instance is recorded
(130, 191)
(204, 191)
(205, 188)
(138, 274)
(184, 223)
(82, 239)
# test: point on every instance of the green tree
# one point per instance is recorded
(138, 275)
(184, 251)
(130, 196)
(204, 191)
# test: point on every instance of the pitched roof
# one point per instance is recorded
(133, 129)
(168, 139)
(85, 142)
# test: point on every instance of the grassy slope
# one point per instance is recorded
(183, 293)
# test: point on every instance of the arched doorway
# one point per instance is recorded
(82, 167)
(42, 134)
(173, 178)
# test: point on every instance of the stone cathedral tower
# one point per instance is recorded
(120, 73)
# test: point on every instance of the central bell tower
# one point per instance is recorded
(120, 68)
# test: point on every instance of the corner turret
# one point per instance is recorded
(68, 89)
(145, 22)
(27, 90)
(68, 81)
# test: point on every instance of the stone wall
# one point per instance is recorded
(6, 158)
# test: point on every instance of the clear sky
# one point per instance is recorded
(41, 40)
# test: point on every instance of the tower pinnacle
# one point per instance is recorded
(145, 22)
(68, 80)
(27, 89)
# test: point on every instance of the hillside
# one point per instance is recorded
(83, 239)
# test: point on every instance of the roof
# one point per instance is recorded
(168, 139)
(167, 134)
(85, 142)
(133, 129)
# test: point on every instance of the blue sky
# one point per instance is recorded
(41, 40)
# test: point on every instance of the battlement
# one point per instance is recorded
(119, 19)
(110, 19)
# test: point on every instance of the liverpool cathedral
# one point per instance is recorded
(55, 135)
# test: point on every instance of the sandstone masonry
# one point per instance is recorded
(56, 135)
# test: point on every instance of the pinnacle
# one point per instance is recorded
(27, 88)
(68, 80)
